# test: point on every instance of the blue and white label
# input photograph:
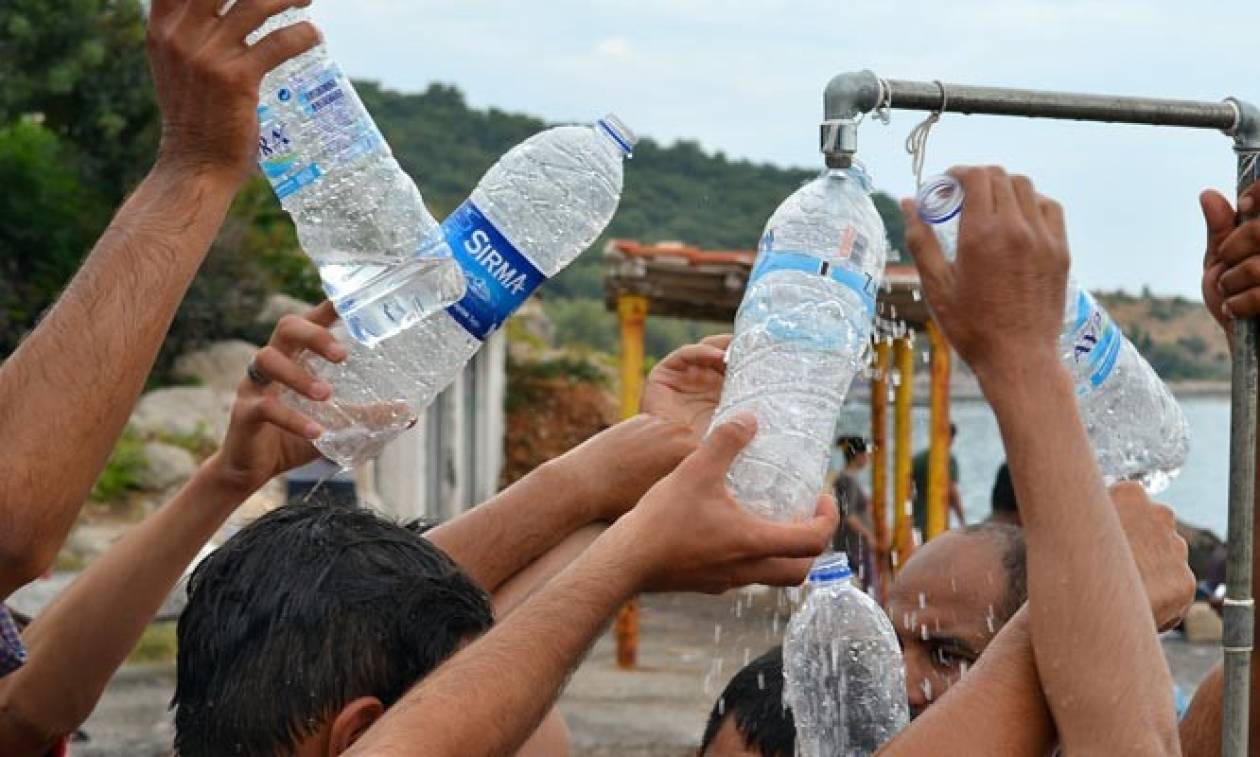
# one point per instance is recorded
(334, 130)
(1095, 341)
(770, 261)
(499, 277)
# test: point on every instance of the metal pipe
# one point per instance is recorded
(939, 480)
(632, 310)
(1239, 608)
(903, 536)
(879, 467)
(851, 95)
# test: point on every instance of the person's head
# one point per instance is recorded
(949, 601)
(749, 718)
(953, 432)
(1005, 507)
(306, 625)
(854, 450)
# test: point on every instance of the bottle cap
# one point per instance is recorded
(940, 199)
(618, 132)
(832, 567)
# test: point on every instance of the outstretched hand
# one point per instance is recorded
(689, 534)
(686, 386)
(1012, 265)
(266, 437)
(207, 78)
(1231, 258)
(1159, 552)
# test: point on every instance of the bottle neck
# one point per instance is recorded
(830, 569)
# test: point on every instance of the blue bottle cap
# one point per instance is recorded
(832, 567)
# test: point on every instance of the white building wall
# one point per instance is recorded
(452, 459)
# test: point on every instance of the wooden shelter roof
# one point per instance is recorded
(687, 282)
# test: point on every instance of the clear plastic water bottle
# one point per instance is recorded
(802, 333)
(536, 209)
(381, 257)
(1136, 426)
(843, 675)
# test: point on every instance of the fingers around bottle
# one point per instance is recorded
(1249, 200)
(979, 192)
(808, 538)
(1028, 199)
(286, 371)
(775, 571)
(721, 341)
(925, 248)
(1052, 217)
(703, 355)
(282, 45)
(246, 16)
(294, 334)
(1241, 243)
(323, 314)
(272, 410)
(724, 443)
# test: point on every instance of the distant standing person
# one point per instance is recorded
(920, 470)
(856, 533)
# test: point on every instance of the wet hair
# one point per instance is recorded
(1003, 498)
(1010, 539)
(304, 611)
(754, 697)
(851, 447)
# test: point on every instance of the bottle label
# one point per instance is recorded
(770, 261)
(1096, 341)
(499, 277)
(335, 130)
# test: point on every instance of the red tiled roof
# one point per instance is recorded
(692, 255)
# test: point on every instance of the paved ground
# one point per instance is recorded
(689, 647)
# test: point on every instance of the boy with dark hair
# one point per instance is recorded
(347, 609)
(749, 718)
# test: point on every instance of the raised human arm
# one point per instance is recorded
(1102, 670)
(78, 642)
(686, 534)
(595, 482)
(1231, 289)
(67, 391)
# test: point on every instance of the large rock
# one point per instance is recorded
(184, 412)
(165, 465)
(280, 305)
(220, 366)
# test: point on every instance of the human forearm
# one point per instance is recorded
(996, 708)
(89, 358)
(470, 706)
(514, 591)
(77, 644)
(1088, 608)
(497, 539)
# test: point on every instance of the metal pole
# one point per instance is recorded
(903, 357)
(1239, 610)
(938, 455)
(850, 95)
(879, 467)
(632, 313)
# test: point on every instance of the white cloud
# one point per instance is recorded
(613, 47)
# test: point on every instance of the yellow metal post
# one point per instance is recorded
(938, 457)
(903, 358)
(631, 314)
(879, 465)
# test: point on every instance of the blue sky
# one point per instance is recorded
(747, 78)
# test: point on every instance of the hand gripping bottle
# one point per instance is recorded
(843, 675)
(380, 254)
(1135, 425)
(536, 209)
(802, 333)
